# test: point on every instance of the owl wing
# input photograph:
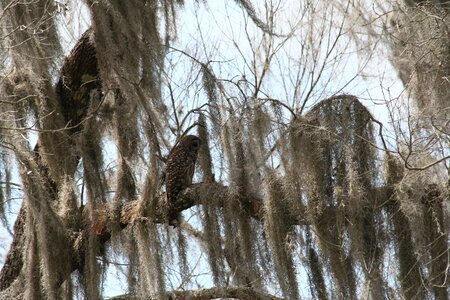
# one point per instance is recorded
(179, 172)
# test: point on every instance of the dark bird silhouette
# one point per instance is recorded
(180, 168)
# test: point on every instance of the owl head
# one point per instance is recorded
(190, 142)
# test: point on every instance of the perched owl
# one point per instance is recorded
(180, 167)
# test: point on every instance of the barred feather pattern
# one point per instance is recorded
(180, 168)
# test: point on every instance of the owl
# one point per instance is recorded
(180, 167)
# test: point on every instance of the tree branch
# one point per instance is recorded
(14, 261)
(206, 193)
(245, 293)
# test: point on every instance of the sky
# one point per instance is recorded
(224, 27)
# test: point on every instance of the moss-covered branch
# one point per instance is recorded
(206, 294)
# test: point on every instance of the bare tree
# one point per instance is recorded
(300, 191)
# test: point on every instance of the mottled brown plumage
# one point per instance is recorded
(180, 168)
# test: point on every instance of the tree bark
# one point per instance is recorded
(244, 293)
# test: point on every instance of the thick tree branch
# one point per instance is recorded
(207, 193)
(14, 261)
(244, 293)
(79, 76)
